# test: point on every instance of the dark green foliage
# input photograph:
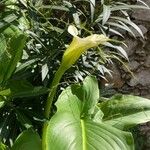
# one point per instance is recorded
(28, 139)
(33, 37)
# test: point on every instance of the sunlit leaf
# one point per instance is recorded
(129, 23)
(125, 111)
(119, 48)
(11, 55)
(69, 129)
(121, 26)
(106, 13)
(92, 6)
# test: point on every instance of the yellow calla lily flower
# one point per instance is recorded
(71, 55)
(79, 46)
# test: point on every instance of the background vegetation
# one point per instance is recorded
(40, 28)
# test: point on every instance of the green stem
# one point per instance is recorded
(49, 101)
(53, 89)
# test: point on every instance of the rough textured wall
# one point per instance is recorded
(139, 55)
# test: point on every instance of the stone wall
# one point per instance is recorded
(138, 51)
(139, 56)
(139, 84)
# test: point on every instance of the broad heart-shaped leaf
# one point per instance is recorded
(27, 140)
(124, 111)
(10, 54)
(69, 130)
(88, 93)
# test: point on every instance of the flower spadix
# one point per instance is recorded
(79, 46)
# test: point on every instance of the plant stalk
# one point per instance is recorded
(59, 73)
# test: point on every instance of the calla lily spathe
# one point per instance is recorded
(79, 45)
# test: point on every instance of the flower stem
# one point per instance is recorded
(59, 73)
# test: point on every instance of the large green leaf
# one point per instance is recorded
(68, 129)
(88, 93)
(123, 111)
(27, 140)
(10, 54)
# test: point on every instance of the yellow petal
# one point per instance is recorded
(80, 45)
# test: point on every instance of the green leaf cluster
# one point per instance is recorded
(81, 122)
(33, 37)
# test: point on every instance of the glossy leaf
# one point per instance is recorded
(129, 22)
(69, 130)
(3, 147)
(27, 64)
(6, 21)
(5, 92)
(119, 48)
(128, 7)
(121, 26)
(106, 13)
(90, 95)
(45, 70)
(11, 53)
(27, 140)
(92, 6)
(124, 111)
